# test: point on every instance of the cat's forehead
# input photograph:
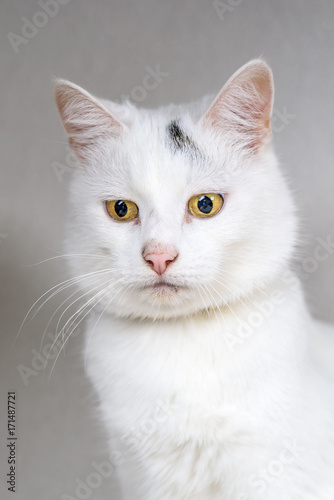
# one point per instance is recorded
(170, 151)
(159, 149)
(161, 157)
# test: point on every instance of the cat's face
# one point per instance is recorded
(177, 209)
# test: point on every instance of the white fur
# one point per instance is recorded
(197, 400)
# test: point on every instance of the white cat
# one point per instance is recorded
(205, 359)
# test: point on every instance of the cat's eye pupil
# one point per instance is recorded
(205, 204)
(121, 208)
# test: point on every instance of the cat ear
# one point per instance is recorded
(86, 120)
(242, 109)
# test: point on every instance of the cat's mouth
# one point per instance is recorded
(163, 287)
(162, 284)
(163, 293)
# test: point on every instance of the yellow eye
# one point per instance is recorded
(122, 210)
(206, 205)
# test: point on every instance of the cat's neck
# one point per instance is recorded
(216, 349)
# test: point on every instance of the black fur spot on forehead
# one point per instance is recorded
(179, 139)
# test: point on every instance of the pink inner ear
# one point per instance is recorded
(84, 118)
(244, 106)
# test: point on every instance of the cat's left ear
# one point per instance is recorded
(243, 108)
(85, 119)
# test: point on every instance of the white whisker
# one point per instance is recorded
(73, 302)
(64, 302)
(95, 302)
(96, 256)
(59, 287)
(98, 319)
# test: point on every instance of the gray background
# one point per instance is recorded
(106, 47)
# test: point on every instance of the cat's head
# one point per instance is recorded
(177, 209)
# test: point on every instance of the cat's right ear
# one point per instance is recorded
(86, 120)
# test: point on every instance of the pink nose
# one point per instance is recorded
(160, 261)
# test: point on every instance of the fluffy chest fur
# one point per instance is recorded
(210, 416)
